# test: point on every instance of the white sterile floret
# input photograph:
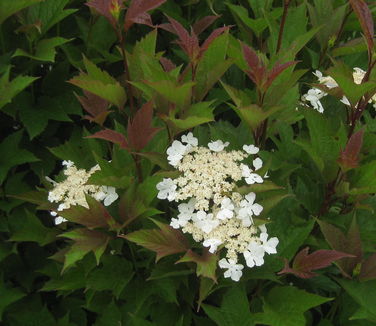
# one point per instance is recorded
(269, 245)
(210, 207)
(218, 145)
(314, 95)
(257, 163)
(234, 270)
(251, 149)
(166, 189)
(227, 209)
(358, 76)
(176, 152)
(250, 177)
(73, 190)
(325, 80)
(254, 255)
(189, 139)
(213, 244)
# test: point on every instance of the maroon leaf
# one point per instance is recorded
(108, 8)
(206, 264)
(257, 69)
(189, 43)
(276, 71)
(201, 25)
(349, 243)
(96, 106)
(349, 156)
(368, 269)
(165, 241)
(217, 32)
(137, 12)
(112, 136)
(366, 22)
(305, 263)
(167, 64)
(96, 216)
(140, 130)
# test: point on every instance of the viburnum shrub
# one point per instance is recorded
(187, 163)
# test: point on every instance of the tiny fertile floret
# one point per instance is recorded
(211, 209)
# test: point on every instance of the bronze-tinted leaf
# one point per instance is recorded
(140, 130)
(305, 263)
(107, 8)
(349, 156)
(112, 136)
(368, 269)
(96, 106)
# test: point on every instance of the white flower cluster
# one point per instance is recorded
(314, 95)
(211, 209)
(73, 189)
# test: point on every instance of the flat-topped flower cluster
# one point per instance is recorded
(211, 209)
(73, 189)
(314, 95)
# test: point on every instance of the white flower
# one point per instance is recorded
(257, 163)
(269, 245)
(185, 214)
(68, 163)
(62, 206)
(205, 222)
(110, 195)
(313, 96)
(189, 139)
(166, 189)
(59, 220)
(251, 149)
(358, 75)
(254, 256)
(233, 270)
(213, 244)
(345, 100)
(218, 145)
(325, 80)
(227, 208)
(250, 177)
(175, 152)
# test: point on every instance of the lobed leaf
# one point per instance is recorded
(349, 156)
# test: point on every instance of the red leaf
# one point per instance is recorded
(305, 263)
(96, 216)
(368, 269)
(257, 69)
(140, 131)
(167, 64)
(276, 71)
(107, 8)
(201, 25)
(350, 243)
(349, 156)
(165, 241)
(137, 12)
(366, 22)
(206, 264)
(212, 37)
(95, 105)
(189, 43)
(112, 136)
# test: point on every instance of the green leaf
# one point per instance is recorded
(84, 241)
(44, 50)
(101, 84)
(364, 294)
(73, 279)
(30, 228)
(285, 306)
(9, 7)
(9, 89)
(206, 263)
(165, 241)
(12, 155)
(113, 275)
(49, 13)
(234, 309)
(110, 316)
(8, 295)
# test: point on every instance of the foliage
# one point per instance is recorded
(114, 83)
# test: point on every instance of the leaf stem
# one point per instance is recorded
(286, 4)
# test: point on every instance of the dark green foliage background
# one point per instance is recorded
(43, 45)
